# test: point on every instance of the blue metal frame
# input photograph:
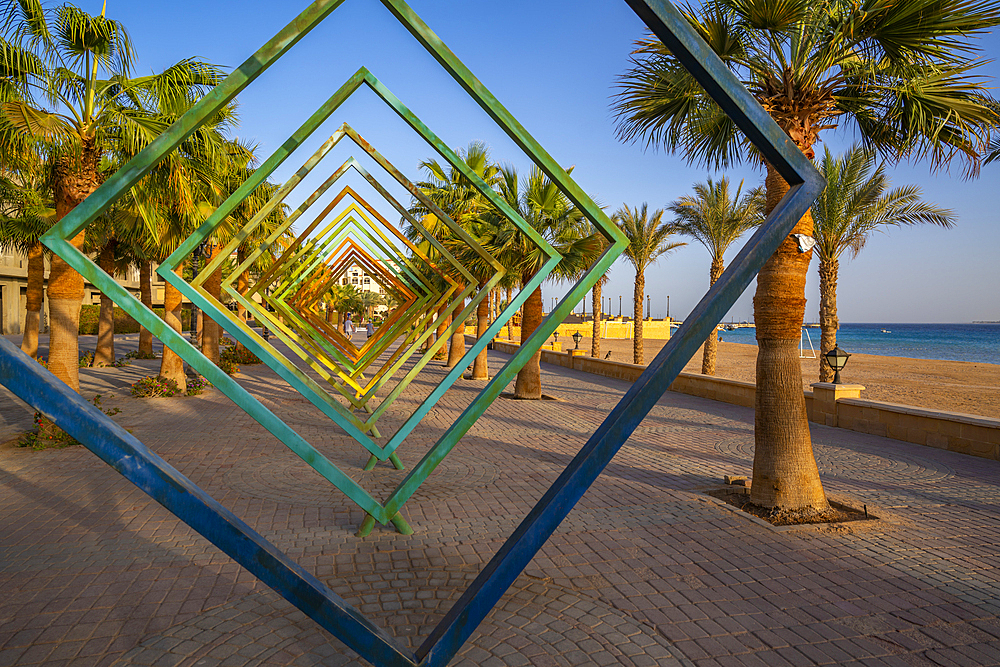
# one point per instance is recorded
(164, 484)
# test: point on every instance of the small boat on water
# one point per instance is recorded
(886, 331)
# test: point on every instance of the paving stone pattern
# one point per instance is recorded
(647, 570)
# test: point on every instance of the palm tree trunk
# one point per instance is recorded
(242, 285)
(146, 296)
(211, 330)
(529, 378)
(637, 296)
(429, 341)
(74, 178)
(828, 321)
(33, 302)
(457, 347)
(480, 367)
(597, 301)
(712, 343)
(784, 467)
(445, 323)
(104, 355)
(171, 365)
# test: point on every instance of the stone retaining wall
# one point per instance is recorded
(966, 434)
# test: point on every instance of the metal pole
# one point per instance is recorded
(619, 305)
(668, 306)
(647, 306)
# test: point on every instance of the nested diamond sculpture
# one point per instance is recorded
(150, 473)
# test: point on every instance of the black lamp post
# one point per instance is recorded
(577, 337)
(619, 305)
(555, 336)
(837, 359)
(647, 306)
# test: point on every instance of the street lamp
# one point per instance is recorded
(837, 359)
(668, 306)
(619, 305)
(647, 306)
(555, 336)
(577, 337)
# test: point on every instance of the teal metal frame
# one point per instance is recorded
(119, 449)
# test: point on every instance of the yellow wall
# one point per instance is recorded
(658, 329)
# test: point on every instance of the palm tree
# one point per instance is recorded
(717, 220)
(648, 240)
(853, 205)
(457, 197)
(27, 214)
(61, 54)
(901, 73)
(549, 212)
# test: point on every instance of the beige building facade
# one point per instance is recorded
(14, 292)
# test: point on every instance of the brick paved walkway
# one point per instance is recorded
(646, 571)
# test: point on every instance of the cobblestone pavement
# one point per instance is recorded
(647, 570)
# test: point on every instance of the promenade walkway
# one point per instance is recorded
(647, 570)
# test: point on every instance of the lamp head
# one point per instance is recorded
(837, 359)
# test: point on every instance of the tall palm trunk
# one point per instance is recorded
(104, 355)
(445, 323)
(242, 285)
(171, 365)
(712, 343)
(597, 300)
(637, 295)
(529, 378)
(828, 321)
(74, 178)
(438, 317)
(457, 347)
(146, 296)
(211, 330)
(480, 367)
(784, 467)
(33, 302)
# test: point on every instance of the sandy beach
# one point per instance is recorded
(955, 386)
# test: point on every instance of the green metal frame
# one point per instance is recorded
(39, 388)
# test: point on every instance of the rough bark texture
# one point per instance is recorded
(637, 296)
(445, 323)
(104, 354)
(595, 337)
(529, 379)
(712, 344)
(457, 347)
(438, 318)
(74, 178)
(828, 320)
(146, 297)
(171, 365)
(784, 468)
(480, 370)
(211, 330)
(33, 303)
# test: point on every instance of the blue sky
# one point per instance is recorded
(553, 65)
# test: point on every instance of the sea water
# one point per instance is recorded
(954, 342)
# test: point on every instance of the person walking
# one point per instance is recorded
(370, 328)
(349, 327)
